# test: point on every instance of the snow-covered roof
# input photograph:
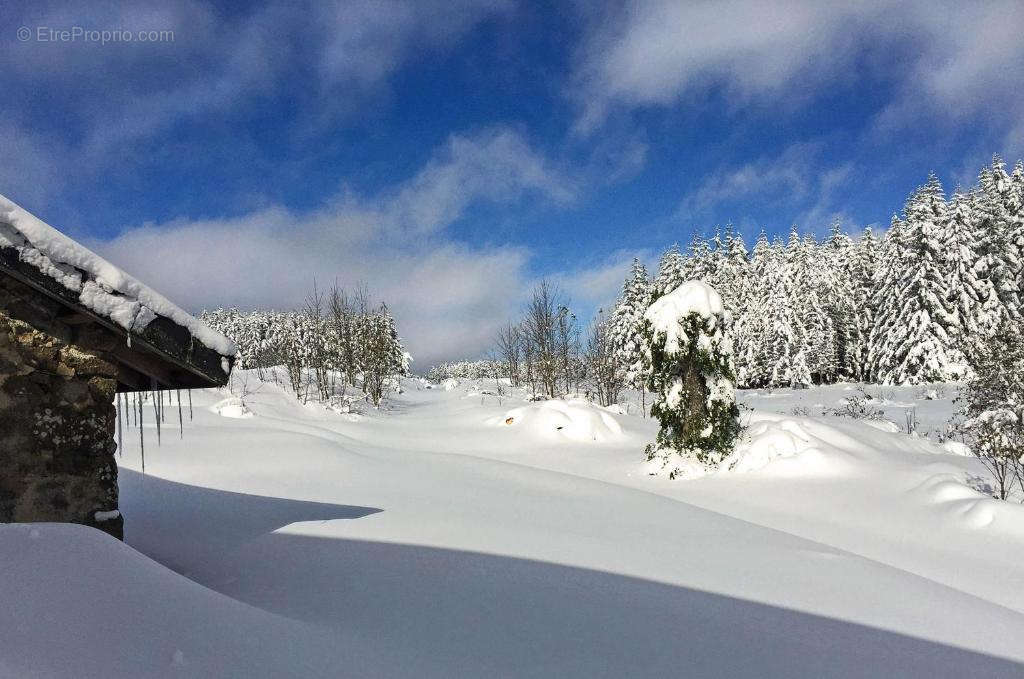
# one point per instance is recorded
(99, 286)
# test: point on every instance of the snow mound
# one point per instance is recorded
(557, 419)
(100, 286)
(957, 448)
(969, 507)
(888, 426)
(450, 384)
(765, 442)
(232, 407)
(690, 297)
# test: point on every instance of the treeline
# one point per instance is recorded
(914, 306)
(337, 340)
(917, 304)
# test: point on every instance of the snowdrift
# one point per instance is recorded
(560, 420)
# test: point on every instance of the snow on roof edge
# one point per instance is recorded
(99, 285)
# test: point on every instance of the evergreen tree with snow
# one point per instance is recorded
(915, 335)
(698, 266)
(751, 359)
(838, 295)
(971, 296)
(999, 259)
(689, 365)
(817, 334)
(626, 323)
(781, 337)
(861, 268)
(670, 272)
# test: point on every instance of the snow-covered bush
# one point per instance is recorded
(857, 408)
(468, 370)
(688, 360)
(993, 407)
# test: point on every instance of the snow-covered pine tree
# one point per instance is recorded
(670, 271)
(998, 261)
(751, 362)
(626, 323)
(689, 360)
(838, 298)
(805, 313)
(733, 281)
(730, 269)
(698, 266)
(863, 263)
(915, 334)
(781, 338)
(812, 283)
(716, 256)
(1015, 209)
(968, 292)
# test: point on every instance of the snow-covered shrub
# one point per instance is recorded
(468, 370)
(993, 407)
(857, 408)
(688, 360)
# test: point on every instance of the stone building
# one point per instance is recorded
(75, 331)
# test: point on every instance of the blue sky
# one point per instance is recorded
(449, 154)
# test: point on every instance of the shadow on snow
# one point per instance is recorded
(404, 610)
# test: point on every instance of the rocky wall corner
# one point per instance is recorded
(57, 420)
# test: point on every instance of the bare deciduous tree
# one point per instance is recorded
(602, 366)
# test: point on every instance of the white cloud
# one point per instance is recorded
(449, 297)
(947, 58)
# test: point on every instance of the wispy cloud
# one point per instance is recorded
(795, 181)
(217, 62)
(947, 59)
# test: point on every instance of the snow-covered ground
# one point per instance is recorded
(454, 535)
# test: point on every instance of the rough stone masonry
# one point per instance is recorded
(57, 418)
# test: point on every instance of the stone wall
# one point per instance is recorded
(57, 419)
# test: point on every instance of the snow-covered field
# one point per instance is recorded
(456, 536)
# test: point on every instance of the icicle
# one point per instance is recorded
(156, 411)
(181, 425)
(142, 441)
(189, 405)
(120, 427)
